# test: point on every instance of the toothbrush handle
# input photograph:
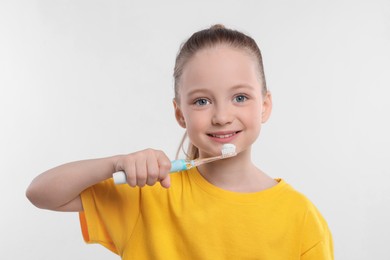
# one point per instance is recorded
(177, 165)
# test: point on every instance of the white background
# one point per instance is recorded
(87, 79)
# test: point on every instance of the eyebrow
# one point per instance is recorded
(244, 86)
(199, 90)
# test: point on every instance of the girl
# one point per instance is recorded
(228, 209)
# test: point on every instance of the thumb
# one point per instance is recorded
(166, 182)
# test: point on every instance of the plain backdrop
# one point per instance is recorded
(88, 79)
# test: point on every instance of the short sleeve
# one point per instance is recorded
(317, 242)
(109, 214)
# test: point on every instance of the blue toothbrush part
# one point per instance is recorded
(180, 165)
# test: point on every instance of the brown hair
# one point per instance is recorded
(215, 35)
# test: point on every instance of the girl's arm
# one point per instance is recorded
(59, 188)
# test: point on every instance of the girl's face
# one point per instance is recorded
(220, 100)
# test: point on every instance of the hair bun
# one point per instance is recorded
(217, 27)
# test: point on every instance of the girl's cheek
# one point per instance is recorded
(194, 122)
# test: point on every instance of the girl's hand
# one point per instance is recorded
(145, 168)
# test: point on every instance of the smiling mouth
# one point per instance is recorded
(222, 136)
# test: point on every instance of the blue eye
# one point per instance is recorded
(201, 102)
(240, 98)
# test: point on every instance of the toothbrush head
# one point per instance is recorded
(228, 150)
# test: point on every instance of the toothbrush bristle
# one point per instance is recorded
(228, 150)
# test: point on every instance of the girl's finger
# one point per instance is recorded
(164, 166)
(166, 182)
(153, 169)
(141, 171)
(131, 176)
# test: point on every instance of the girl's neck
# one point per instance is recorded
(236, 174)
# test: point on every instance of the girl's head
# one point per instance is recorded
(212, 66)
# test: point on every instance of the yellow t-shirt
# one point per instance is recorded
(193, 219)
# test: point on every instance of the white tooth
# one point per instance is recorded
(223, 136)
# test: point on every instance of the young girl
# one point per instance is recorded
(228, 209)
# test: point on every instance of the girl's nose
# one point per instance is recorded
(222, 116)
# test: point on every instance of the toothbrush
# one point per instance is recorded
(227, 150)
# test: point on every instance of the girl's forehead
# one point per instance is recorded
(220, 65)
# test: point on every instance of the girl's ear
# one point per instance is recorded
(267, 107)
(178, 114)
